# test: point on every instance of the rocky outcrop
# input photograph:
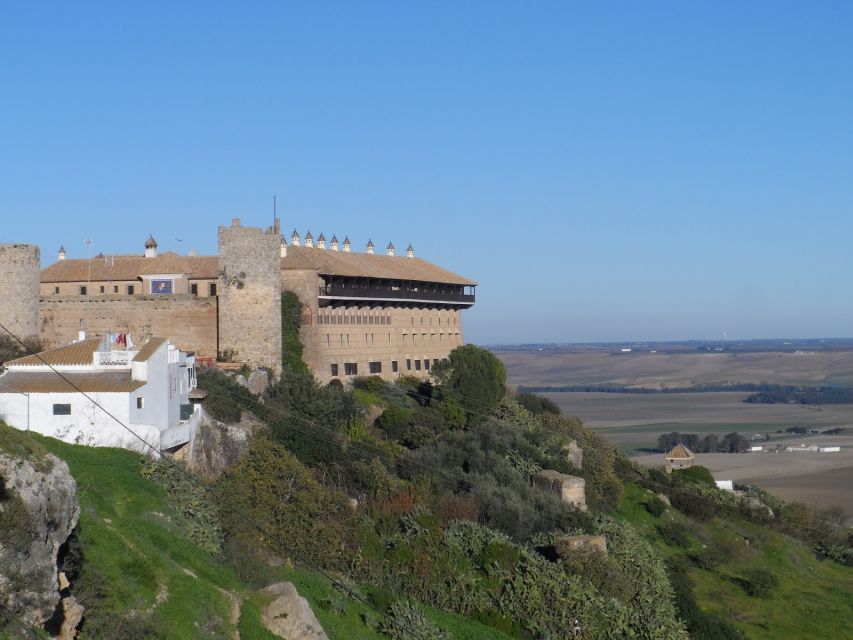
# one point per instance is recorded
(218, 445)
(38, 511)
(569, 489)
(289, 615)
(574, 454)
(566, 544)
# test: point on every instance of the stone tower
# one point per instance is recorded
(250, 295)
(20, 266)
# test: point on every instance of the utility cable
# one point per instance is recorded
(238, 512)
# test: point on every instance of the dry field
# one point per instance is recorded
(602, 366)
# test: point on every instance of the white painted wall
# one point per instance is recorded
(87, 424)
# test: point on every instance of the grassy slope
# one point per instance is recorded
(129, 541)
(812, 599)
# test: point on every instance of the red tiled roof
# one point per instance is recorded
(112, 268)
(50, 382)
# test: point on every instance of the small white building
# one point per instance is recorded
(725, 485)
(756, 448)
(84, 392)
(828, 449)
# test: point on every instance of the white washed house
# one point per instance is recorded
(145, 388)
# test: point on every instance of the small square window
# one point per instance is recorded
(351, 368)
(130, 289)
(83, 291)
(62, 409)
(375, 367)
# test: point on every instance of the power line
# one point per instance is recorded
(246, 518)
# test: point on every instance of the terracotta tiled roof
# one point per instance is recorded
(148, 349)
(130, 268)
(680, 452)
(71, 354)
(50, 382)
(335, 263)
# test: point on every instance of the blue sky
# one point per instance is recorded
(622, 171)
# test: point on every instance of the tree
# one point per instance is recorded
(709, 444)
(474, 378)
(734, 443)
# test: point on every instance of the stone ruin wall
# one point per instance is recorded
(20, 266)
(188, 321)
(250, 295)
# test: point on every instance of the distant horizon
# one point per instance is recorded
(667, 341)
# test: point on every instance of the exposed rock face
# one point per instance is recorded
(217, 445)
(574, 454)
(289, 615)
(258, 382)
(570, 489)
(759, 509)
(566, 544)
(665, 499)
(43, 497)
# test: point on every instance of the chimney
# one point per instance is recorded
(410, 252)
(346, 245)
(283, 247)
(235, 222)
(294, 238)
(151, 246)
(61, 255)
(389, 250)
(309, 240)
(321, 241)
(370, 247)
(334, 243)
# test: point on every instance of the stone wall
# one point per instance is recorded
(250, 295)
(19, 287)
(565, 545)
(187, 321)
(569, 489)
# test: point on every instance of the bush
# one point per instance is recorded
(692, 504)
(475, 378)
(225, 399)
(759, 582)
(697, 474)
(674, 533)
(406, 621)
(537, 404)
(655, 506)
(291, 322)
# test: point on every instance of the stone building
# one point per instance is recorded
(362, 313)
(679, 457)
(19, 266)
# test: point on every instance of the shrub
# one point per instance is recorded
(674, 533)
(371, 384)
(226, 399)
(475, 378)
(406, 621)
(537, 404)
(291, 322)
(655, 506)
(692, 504)
(759, 582)
(697, 474)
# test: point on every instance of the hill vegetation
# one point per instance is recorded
(424, 523)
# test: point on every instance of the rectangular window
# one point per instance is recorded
(394, 366)
(194, 289)
(375, 367)
(56, 289)
(130, 289)
(211, 289)
(426, 364)
(328, 340)
(102, 289)
(83, 291)
(351, 368)
(140, 402)
(335, 370)
(62, 409)
(408, 364)
(115, 289)
(417, 365)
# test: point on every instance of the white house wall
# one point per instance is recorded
(87, 423)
